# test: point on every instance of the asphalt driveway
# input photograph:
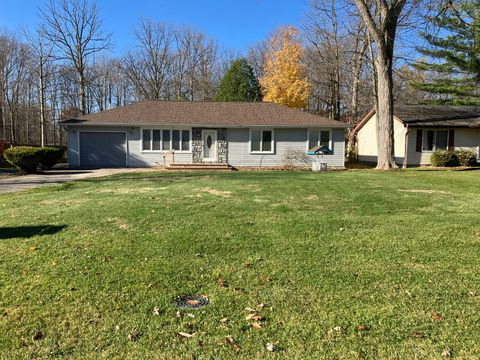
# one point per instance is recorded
(18, 183)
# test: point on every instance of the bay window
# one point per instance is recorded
(165, 140)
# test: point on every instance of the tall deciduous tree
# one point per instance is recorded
(239, 83)
(284, 80)
(76, 29)
(381, 19)
(455, 51)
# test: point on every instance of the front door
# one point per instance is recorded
(210, 145)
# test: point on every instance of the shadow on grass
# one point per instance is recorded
(29, 231)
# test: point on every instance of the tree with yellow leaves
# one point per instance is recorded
(284, 80)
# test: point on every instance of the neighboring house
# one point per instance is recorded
(419, 130)
(241, 134)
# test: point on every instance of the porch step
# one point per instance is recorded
(199, 166)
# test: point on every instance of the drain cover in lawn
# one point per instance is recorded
(191, 301)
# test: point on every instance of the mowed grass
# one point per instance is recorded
(338, 265)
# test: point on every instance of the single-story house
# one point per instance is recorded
(419, 130)
(240, 134)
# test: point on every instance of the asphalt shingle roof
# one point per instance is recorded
(196, 113)
(434, 115)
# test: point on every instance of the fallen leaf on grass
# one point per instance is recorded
(185, 335)
(38, 335)
(447, 353)
(156, 310)
(134, 335)
(254, 317)
(362, 328)
(418, 335)
(436, 316)
(256, 325)
(264, 278)
(33, 248)
(222, 283)
(250, 309)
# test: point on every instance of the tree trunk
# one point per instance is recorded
(42, 103)
(385, 138)
(83, 96)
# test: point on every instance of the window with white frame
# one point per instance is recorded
(434, 140)
(261, 141)
(319, 138)
(165, 140)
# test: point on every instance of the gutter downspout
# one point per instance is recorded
(405, 151)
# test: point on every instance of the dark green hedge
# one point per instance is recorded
(28, 158)
(24, 158)
(51, 156)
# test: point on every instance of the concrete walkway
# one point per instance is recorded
(13, 183)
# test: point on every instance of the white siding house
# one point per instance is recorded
(419, 130)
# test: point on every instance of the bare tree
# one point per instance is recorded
(42, 57)
(335, 59)
(149, 66)
(75, 28)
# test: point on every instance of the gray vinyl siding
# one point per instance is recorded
(285, 139)
(135, 157)
(238, 147)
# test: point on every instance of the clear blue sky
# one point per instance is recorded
(235, 24)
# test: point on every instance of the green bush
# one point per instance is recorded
(51, 156)
(466, 157)
(444, 158)
(24, 158)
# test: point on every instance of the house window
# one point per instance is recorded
(185, 140)
(319, 138)
(261, 141)
(146, 140)
(435, 140)
(165, 140)
(175, 139)
(157, 140)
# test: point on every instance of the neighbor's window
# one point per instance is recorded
(435, 140)
(261, 141)
(319, 138)
(165, 140)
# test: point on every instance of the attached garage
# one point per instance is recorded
(103, 149)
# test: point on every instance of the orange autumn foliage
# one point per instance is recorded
(284, 81)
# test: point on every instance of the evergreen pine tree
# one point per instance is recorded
(239, 83)
(455, 55)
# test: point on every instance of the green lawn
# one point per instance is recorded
(338, 265)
